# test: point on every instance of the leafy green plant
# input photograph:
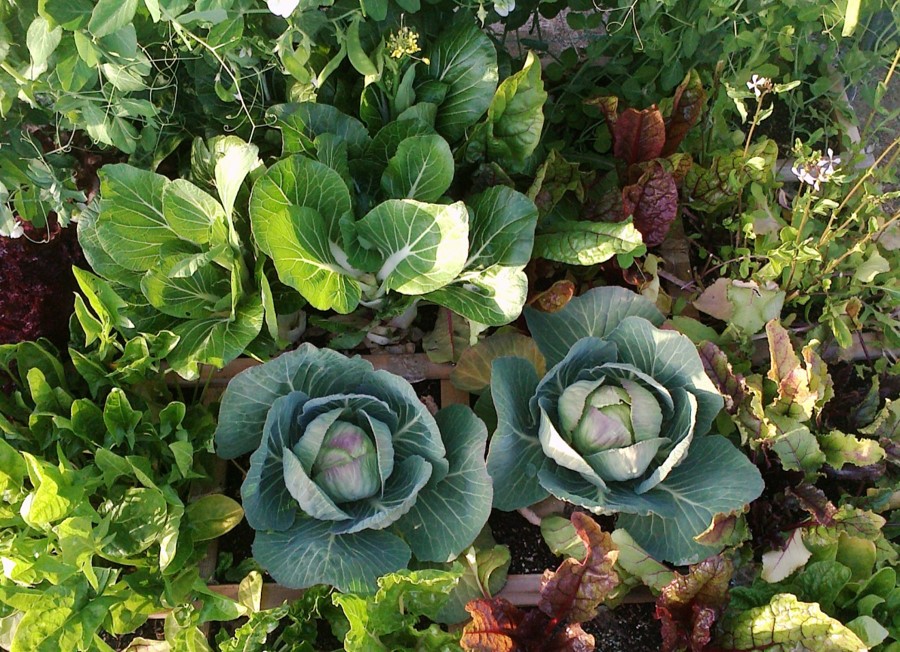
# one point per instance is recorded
(173, 259)
(618, 424)
(352, 220)
(350, 469)
(397, 617)
(95, 477)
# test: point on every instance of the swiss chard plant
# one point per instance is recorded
(350, 476)
(569, 596)
(381, 211)
(784, 421)
(173, 258)
(619, 423)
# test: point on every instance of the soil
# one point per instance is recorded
(152, 630)
(627, 628)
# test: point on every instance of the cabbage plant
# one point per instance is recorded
(350, 474)
(619, 424)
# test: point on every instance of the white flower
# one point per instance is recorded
(828, 162)
(283, 8)
(759, 84)
(503, 7)
(810, 174)
(10, 227)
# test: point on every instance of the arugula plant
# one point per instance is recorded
(619, 423)
(380, 221)
(96, 467)
(348, 468)
(173, 258)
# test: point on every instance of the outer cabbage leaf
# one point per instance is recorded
(448, 513)
(309, 553)
(593, 314)
(515, 455)
(249, 395)
(714, 477)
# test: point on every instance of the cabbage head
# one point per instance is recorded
(350, 475)
(619, 424)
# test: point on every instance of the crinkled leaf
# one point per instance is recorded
(587, 243)
(554, 178)
(638, 135)
(801, 389)
(401, 600)
(515, 116)
(687, 105)
(797, 448)
(726, 530)
(555, 297)
(887, 423)
(814, 501)
(689, 606)
(706, 189)
(498, 625)
(841, 449)
(731, 385)
(575, 590)
(653, 204)
(785, 625)
(135, 522)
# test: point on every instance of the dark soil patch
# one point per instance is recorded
(152, 630)
(38, 284)
(627, 628)
(526, 545)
